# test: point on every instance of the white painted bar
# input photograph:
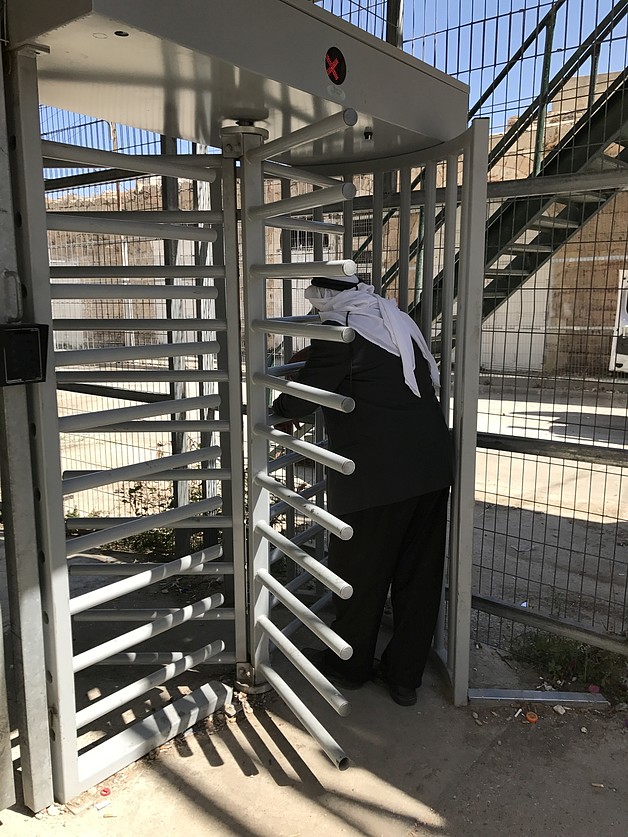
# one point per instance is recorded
(330, 125)
(313, 331)
(73, 222)
(151, 467)
(284, 222)
(313, 567)
(313, 623)
(137, 525)
(120, 643)
(322, 685)
(82, 421)
(318, 732)
(327, 520)
(169, 324)
(299, 175)
(342, 403)
(139, 271)
(315, 452)
(115, 353)
(74, 290)
(304, 270)
(302, 203)
(79, 604)
(144, 164)
(145, 684)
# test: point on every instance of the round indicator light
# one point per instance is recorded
(335, 65)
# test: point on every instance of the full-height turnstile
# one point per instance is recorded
(294, 96)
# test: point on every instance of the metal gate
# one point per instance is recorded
(87, 706)
(145, 364)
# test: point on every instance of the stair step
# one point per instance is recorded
(553, 222)
(505, 271)
(583, 197)
(531, 247)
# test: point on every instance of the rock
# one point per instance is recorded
(560, 710)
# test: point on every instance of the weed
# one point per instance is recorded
(568, 664)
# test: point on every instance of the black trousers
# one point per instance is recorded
(400, 546)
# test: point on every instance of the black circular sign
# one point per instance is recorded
(335, 65)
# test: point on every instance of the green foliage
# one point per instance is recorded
(569, 665)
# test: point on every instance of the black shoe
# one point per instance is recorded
(319, 658)
(402, 695)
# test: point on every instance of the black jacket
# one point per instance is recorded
(400, 443)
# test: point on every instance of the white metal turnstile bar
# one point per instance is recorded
(74, 290)
(304, 270)
(467, 366)
(145, 684)
(176, 474)
(140, 614)
(327, 520)
(312, 567)
(117, 353)
(378, 229)
(144, 271)
(320, 397)
(405, 177)
(152, 467)
(309, 330)
(300, 538)
(173, 426)
(101, 595)
(429, 233)
(120, 643)
(144, 164)
(151, 658)
(312, 622)
(96, 523)
(135, 526)
(135, 229)
(317, 227)
(126, 570)
(302, 203)
(446, 342)
(311, 724)
(449, 273)
(286, 172)
(324, 128)
(308, 450)
(138, 324)
(148, 375)
(83, 421)
(160, 216)
(314, 490)
(322, 685)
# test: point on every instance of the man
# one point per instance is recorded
(396, 499)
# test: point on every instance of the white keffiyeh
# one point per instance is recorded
(378, 320)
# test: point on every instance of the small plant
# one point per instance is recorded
(566, 664)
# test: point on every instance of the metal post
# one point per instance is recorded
(404, 238)
(232, 288)
(429, 233)
(378, 229)
(254, 252)
(43, 430)
(539, 144)
(467, 364)
(446, 339)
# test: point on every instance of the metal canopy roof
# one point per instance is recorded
(187, 68)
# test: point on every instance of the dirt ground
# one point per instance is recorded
(424, 771)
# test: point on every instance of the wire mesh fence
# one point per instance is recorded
(552, 467)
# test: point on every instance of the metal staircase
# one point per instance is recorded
(525, 232)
